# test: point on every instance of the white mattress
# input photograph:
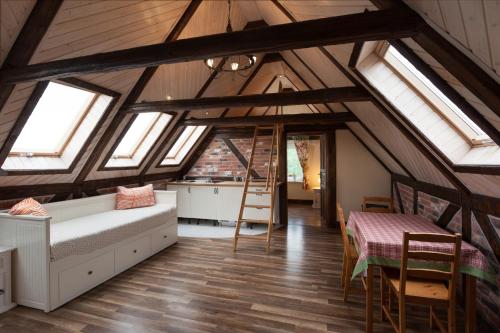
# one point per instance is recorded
(84, 235)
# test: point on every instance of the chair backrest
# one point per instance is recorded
(343, 229)
(448, 258)
(377, 205)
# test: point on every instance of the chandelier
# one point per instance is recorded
(233, 64)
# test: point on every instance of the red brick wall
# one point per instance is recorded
(431, 207)
(218, 160)
(406, 194)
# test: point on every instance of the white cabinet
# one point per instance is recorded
(5, 279)
(183, 199)
(219, 202)
(228, 202)
(204, 202)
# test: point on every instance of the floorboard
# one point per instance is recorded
(201, 286)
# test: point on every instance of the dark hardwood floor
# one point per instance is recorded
(200, 285)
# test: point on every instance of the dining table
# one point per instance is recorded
(378, 238)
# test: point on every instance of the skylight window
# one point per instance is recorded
(54, 121)
(442, 104)
(58, 127)
(183, 145)
(140, 137)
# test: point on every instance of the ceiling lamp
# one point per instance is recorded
(233, 64)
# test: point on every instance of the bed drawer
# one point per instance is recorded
(132, 253)
(164, 238)
(76, 280)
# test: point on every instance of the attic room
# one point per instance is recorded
(249, 166)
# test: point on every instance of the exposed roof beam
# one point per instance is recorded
(309, 119)
(377, 25)
(334, 95)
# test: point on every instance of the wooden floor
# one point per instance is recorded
(199, 285)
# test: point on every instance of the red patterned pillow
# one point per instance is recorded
(28, 206)
(135, 197)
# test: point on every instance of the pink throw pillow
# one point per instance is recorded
(127, 198)
(28, 206)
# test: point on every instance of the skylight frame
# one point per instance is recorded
(181, 146)
(66, 164)
(433, 96)
(131, 161)
(72, 131)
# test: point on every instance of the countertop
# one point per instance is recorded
(217, 184)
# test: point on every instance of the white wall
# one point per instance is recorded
(359, 174)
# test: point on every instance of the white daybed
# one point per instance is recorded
(83, 243)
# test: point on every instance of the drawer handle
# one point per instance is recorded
(90, 272)
(135, 251)
(164, 236)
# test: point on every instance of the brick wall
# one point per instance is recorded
(406, 194)
(430, 207)
(218, 160)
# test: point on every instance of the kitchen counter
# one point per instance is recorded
(217, 184)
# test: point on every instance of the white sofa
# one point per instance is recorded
(81, 244)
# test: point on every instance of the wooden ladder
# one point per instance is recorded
(270, 188)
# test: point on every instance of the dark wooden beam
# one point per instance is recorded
(313, 129)
(236, 152)
(132, 97)
(283, 178)
(377, 25)
(308, 119)
(266, 88)
(447, 215)
(328, 173)
(342, 94)
(27, 41)
(446, 89)
(489, 232)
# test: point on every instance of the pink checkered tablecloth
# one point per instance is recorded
(379, 237)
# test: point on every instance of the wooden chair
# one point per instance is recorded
(431, 287)
(350, 254)
(377, 205)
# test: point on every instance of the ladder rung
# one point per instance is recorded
(258, 192)
(254, 221)
(263, 236)
(257, 206)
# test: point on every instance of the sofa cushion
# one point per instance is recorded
(127, 198)
(28, 206)
(86, 234)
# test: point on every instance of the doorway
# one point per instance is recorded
(303, 179)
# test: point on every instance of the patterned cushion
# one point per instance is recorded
(127, 198)
(28, 206)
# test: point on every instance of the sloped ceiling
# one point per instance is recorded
(88, 27)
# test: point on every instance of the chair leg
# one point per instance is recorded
(382, 297)
(402, 315)
(451, 317)
(342, 280)
(430, 317)
(347, 281)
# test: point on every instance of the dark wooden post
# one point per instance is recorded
(328, 179)
(283, 188)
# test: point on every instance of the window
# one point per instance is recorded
(54, 121)
(57, 129)
(294, 170)
(140, 137)
(435, 98)
(183, 145)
